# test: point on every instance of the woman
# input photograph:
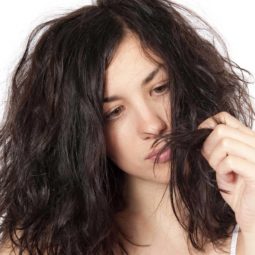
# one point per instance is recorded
(127, 132)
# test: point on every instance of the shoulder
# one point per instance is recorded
(7, 252)
(8, 249)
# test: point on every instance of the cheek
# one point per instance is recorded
(167, 107)
(120, 142)
(115, 142)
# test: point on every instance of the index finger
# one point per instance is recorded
(227, 119)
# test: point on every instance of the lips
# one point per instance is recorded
(164, 156)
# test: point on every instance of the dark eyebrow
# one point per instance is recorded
(145, 81)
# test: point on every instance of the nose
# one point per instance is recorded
(151, 122)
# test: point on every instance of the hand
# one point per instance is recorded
(230, 151)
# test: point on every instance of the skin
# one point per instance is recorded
(141, 115)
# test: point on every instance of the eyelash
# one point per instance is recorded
(108, 116)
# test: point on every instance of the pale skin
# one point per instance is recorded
(141, 117)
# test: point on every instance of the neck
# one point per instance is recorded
(149, 219)
(147, 198)
(149, 215)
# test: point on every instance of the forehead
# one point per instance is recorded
(130, 63)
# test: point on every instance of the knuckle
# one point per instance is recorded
(220, 129)
(224, 114)
(229, 161)
(225, 142)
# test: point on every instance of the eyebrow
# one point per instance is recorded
(145, 81)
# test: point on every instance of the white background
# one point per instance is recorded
(231, 19)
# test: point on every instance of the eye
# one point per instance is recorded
(161, 89)
(113, 114)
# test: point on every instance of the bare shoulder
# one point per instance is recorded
(8, 249)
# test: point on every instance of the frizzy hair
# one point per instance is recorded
(59, 192)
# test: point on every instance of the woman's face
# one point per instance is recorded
(138, 112)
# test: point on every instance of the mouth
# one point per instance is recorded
(164, 156)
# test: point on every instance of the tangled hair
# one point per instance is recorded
(59, 192)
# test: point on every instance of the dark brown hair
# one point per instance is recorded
(59, 192)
